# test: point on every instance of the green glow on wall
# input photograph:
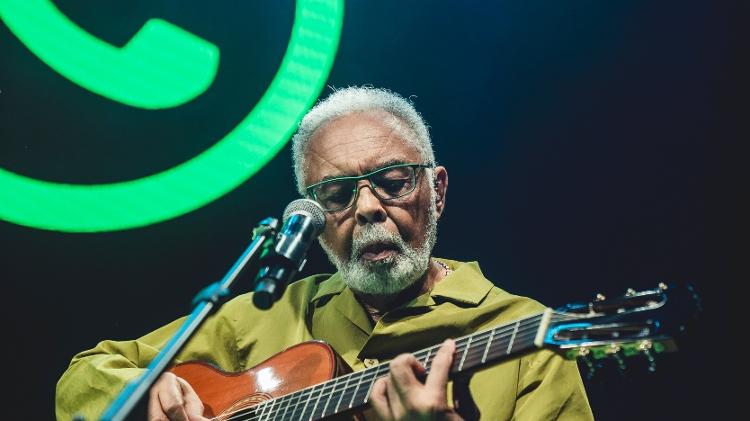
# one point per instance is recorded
(206, 177)
(161, 66)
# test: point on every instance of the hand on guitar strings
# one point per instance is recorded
(403, 396)
(172, 398)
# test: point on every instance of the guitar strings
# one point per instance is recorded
(477, 345)
(268, 408)
(356, 394)
(265, 410)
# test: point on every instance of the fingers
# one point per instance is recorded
(379, 399)
(403, 386)
(155, 413)
(441, 365)
(397, 397)
(402, 394)
(404, 370)
(192, 403)
(172, 398)
(165, 400)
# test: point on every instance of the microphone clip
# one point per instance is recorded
(304, 220)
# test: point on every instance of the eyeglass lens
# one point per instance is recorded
(389, 183)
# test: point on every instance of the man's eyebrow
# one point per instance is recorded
(369, 170)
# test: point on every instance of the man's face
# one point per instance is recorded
(380, 247)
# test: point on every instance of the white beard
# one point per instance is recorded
(393, 274)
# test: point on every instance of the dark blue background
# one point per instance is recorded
(585, 142)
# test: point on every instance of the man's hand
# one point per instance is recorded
(402, 396)
(172, 398)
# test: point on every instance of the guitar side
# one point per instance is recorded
(296, 368)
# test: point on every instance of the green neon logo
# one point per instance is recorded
(204, 178)
(161, 66)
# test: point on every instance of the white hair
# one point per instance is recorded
(355, 99)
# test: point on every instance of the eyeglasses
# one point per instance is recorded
(386, 183)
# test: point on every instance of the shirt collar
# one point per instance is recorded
(465, 284)
(331, 286)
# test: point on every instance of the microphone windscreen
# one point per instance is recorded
(307, 207)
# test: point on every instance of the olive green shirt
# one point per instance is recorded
(538, 386)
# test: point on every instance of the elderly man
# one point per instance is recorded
(365, 156)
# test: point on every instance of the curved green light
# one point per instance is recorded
(208, 176)
(161, 66)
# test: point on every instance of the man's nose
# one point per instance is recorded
(368, 208)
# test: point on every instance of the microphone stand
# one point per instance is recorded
(203, 305)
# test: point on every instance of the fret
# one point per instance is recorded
(362, 395)
(275, 405)
(272, 404)
(292, 405)
(348, 394)
(262, 407)
(268, 410)
(317, 401)
(330, 395)
(359, 397)
(295, 405)
(304, 395)
(466, 351)
(272, 407)
(512, 338)
(351, 389)
(334, 395)
(307, 402)
(487, 348)
(427, 359)
(356, 387)
(282, 400)
(304, 408)
(372, 382)
(338, 404)
(328, 391)
(497, 343)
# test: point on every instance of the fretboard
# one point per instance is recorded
(351, 391)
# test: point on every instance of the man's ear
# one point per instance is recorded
(441, 189)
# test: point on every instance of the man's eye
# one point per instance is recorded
(394, 185)
(339, 197)
(336, 194)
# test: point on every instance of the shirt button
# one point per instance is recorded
(370, 362)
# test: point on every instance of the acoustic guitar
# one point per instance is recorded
(310, 382)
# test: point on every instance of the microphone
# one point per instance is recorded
(304, 220)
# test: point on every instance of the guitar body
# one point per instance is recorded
(296, 368)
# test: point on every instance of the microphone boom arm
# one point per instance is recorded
(204, 303)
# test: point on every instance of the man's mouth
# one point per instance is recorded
(378, 252)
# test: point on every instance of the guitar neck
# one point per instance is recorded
(351, 391)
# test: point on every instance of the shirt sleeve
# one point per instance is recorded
(95, 377)
(237, 337)
(550, 388)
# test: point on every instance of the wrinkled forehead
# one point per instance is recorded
(358, 143)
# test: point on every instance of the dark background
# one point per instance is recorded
(587, 145)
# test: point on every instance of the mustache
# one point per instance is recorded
(373, 235)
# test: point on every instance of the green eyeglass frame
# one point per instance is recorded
(376, 186)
